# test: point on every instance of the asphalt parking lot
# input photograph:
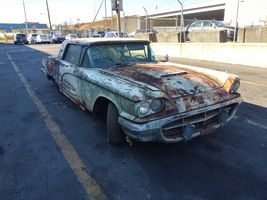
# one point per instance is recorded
(51, 149)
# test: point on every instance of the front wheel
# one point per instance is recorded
(114, 132)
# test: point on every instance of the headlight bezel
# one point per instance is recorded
(232, 84)
(158, 107)
(235, 86)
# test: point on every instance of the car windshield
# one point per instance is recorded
(108, 55)
(20, 35)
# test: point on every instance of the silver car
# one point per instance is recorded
(210, 24)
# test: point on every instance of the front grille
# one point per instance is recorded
(175, 128)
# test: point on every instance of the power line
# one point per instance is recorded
(19, 3)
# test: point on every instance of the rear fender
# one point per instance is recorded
(50, 66)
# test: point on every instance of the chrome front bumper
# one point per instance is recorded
(184, 126)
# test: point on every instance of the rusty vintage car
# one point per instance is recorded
(142, 99)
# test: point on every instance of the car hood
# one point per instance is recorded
(172, 80)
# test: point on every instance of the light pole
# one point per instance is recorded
(146, 17)
(182, 20)
(26, 23)
(236, 18)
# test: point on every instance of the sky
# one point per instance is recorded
(73, 11)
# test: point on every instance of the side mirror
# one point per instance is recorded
(166, 58)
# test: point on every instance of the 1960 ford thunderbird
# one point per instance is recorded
(141, 98)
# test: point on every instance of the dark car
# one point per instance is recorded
(20, 38)
(210, 25)
(99, 33)
(57, 39)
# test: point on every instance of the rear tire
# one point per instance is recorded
(114, 132)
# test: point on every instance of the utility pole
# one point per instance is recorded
(48, 13)
(26, 21)
(117, 6)
(118, 10)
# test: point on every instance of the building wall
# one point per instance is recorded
(251, 12)
(128, 23)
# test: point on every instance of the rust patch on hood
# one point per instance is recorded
(171, 80)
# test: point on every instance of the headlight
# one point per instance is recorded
(143, 108)
(235, 86)
(157, 104)
(149, 107)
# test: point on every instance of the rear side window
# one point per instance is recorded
(198, 24)
(72, 54)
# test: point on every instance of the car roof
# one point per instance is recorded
(92, 41)
(207, 20)
(88, 41)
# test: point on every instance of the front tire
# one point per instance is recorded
(114, 132)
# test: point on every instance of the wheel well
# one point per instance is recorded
(101, 107)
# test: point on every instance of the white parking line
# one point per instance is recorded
(252, 83)
(75, 162)
(257, 124)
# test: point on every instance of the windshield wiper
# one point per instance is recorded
(122, 64)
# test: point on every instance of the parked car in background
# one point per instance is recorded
(142, 99)
(31, 38)
(20, 38)
(115, 34)
(55, 39)
(210, 25)
(71, 36)
(142, 31)
(43, 38)
(98, 33)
